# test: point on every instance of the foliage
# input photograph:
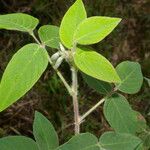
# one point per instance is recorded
(131, 76)
(117, 108)
(73, 17)
(85, 59)
(22, 73)
(18, 21)
(94, 29)
(71, 39)
(98, 85)
(49, 35)
(46, 139)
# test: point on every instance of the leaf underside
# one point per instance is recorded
(98, 85)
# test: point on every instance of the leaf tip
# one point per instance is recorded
(37, 113)
(119, 20)
(2, 107)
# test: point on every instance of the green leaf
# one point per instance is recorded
(94, 29)
(98, 85)
(141, 122)
(145, 136)
(140, 147)
(96, 147)
(120, 115)
(95, 65)
(22, 72)
(148, 80)
(119, 141)
(49, 35)
(147, 140)
(131, 76)
(80, 142)
(17, 143)
(18, 21)
(73, 17)
(44, 133)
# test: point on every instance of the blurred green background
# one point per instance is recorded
(129, 41)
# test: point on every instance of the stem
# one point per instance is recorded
(64, 81)
(57, 71)
(96, 105)
(32, 34)
(61, 77)
(91, 110)
(75, 100)
(72, 91)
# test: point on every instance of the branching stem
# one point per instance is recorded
(57, 71)
(32, 34)
(73, 91)
(96, 105)
(61, 77)
(91, 110)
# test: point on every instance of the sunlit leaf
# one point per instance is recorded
(95, 65)
(95, 29)
(73, 17)
(18, 21)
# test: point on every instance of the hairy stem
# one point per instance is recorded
(75, 99)
(61, 77)
(91, 110)
(32, 34)
(96, 105)
(73, 91)
(57, 71)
